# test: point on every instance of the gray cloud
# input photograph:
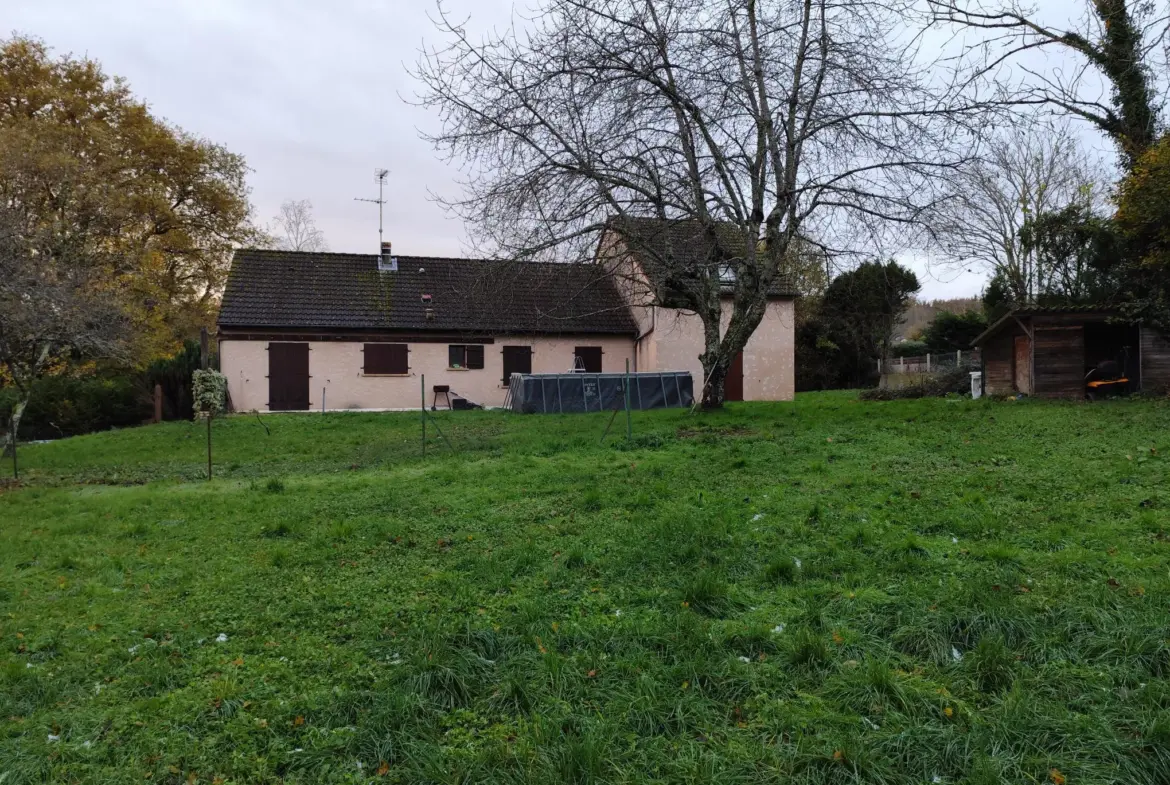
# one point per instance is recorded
(310, 92)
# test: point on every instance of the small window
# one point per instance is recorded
(386, 359)
(587, 359)
(465, 356)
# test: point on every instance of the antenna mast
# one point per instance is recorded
(380, 179)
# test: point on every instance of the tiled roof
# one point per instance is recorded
(347, 291)
(1093, 310)
(690, 248)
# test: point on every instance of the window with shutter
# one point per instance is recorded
(386, 359)
(469, 356)
(587, 359)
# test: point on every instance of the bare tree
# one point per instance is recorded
(1117, 48)
(52, 309)
(757, 123)
(1024, 172)
(294, 229)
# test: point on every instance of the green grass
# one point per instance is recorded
(820, 592)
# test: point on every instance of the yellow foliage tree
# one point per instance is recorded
(1143, 221)
(96, 180)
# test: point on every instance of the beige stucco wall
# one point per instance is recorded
(768, 359)
(336, 368)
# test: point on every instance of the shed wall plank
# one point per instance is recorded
(1155, 360)
(1059, 358)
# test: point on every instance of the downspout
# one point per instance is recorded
(638, 340)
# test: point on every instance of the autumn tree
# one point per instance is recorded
(141, 210)
(294, 228)
(760, 124)
(52, 311)
(1143, 222)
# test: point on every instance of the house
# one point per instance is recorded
(1050, 352)
(644, 254)
(355, 331)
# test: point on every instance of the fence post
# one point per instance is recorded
(928, 362)
(879, 366)
(422, 381)
(629, 422)
(158, 403)
(209, 415)
(958, 358)
(12, 435)
(902, 363)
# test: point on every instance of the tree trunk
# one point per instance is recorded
(14, 423)
(719, 352)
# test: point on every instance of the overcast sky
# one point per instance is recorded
(310, 92)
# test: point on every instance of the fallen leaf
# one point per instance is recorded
(383, 769)
(1114, 582)
(300, 720)
(1056, 777)
(592, 674)
(949, 711)
(238, 661)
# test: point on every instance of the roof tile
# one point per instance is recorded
(347, 291)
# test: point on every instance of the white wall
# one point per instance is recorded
(769, 372)
(336, 368)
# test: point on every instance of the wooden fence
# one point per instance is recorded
(930, 363)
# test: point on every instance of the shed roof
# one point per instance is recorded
(348, 291)
(1098, 312)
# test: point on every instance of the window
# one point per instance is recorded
(465, 356)
(587, 359)
(386, 359)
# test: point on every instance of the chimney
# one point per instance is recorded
(387, 262)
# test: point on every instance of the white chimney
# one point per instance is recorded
(387, 262)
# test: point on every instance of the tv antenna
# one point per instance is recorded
(380, 179)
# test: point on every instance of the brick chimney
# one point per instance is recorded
(387, 262)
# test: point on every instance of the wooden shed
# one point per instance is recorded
(1049, 352)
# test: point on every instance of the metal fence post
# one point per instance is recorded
(422, 381)
(928, 362)
(209, 415)
(629, 422)
(12, 432)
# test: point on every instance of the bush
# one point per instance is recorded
(908, 349)
(175, 376)
(208, 392)
(66, 406)
(957, 381)
(950, 331)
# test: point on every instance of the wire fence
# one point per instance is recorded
(931, 363)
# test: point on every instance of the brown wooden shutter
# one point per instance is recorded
(475, 356)
(590, 357)
(386, 358)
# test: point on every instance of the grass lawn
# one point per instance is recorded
(820, 592)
